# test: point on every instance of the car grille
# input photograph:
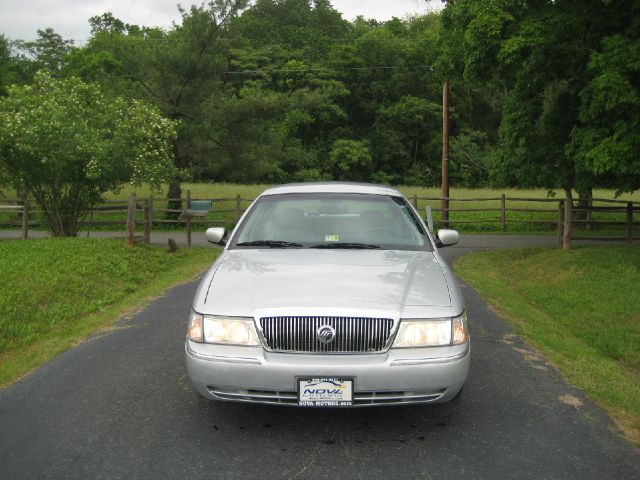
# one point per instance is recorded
(254, 396)
(351, 334)
(359, 398)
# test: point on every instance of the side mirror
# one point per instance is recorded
(215, 235)
(447, 237)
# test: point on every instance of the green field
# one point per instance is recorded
(580, 309)
(55, 292)
(224, 212)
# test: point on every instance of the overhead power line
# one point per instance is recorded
(335, 41)
(329, 69)
(301, 70)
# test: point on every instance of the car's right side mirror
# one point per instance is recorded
(215, 235)
(446, 237)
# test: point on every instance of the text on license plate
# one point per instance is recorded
(325, 392)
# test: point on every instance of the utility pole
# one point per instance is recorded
(444, 202)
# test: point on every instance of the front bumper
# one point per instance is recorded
(397, 376)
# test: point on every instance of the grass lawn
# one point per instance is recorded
(581, 309)
(56, 291)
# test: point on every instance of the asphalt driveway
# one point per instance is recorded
(120, 406)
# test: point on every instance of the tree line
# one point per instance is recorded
(544, 93)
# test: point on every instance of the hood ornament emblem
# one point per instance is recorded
(326, 334)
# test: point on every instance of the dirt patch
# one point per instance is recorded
(539, 367)
(570, 400)
(509, 338)
(529, 355)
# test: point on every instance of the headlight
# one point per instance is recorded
(423, 333)
(232, 331)
(194, 330)
(435, 332)
(460, 329)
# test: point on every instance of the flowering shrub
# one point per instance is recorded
(65, 143)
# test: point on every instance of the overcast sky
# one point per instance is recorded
(20, 19)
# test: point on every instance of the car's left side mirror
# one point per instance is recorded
(215, 235)
(447, 237)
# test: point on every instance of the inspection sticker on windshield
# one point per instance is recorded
(325, 392)
(332, 238)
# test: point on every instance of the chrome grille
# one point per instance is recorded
(360, 399)
(352, 334)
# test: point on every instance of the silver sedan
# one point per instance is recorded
(329, 295)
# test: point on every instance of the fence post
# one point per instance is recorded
(238, 207)
(560, 222)
(148, 219)
(429, 218)
(568, 219)
(25, 219)
(629, 222)
(188, 219)
(414, 200)
(131, 219)
(589, 211)
(503, 212)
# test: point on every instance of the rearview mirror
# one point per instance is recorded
(215, 235)
(447, 237)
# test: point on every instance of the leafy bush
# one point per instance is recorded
(65, 143)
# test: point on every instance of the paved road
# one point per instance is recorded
(119, 406)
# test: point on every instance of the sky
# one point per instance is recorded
(20, 19)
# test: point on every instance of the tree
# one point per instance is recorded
(65, 143)
(305, 29)
(539, 52)
(5, 62)
(470, 159)
(394, 95)
(177, 70)
(262, 135)
(606, 141)
(49, 50)
(350, 160)
(407, 139)
(14, 68)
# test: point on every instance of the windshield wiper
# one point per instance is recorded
(269, 244)
(345, 245)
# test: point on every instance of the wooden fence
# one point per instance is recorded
(616, 207)
(22, 210)
(146, 213)
(131, 214)
(182, 216)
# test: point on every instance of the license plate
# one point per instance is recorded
(325, 392)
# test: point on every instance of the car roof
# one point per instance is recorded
(332, 187)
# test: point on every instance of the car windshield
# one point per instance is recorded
(331, 220)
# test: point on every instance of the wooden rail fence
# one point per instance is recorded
(23, 211)
(619, 206)
(149, 212)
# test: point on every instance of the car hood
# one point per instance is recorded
(249, 281)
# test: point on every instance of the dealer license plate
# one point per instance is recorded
(325, 392)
